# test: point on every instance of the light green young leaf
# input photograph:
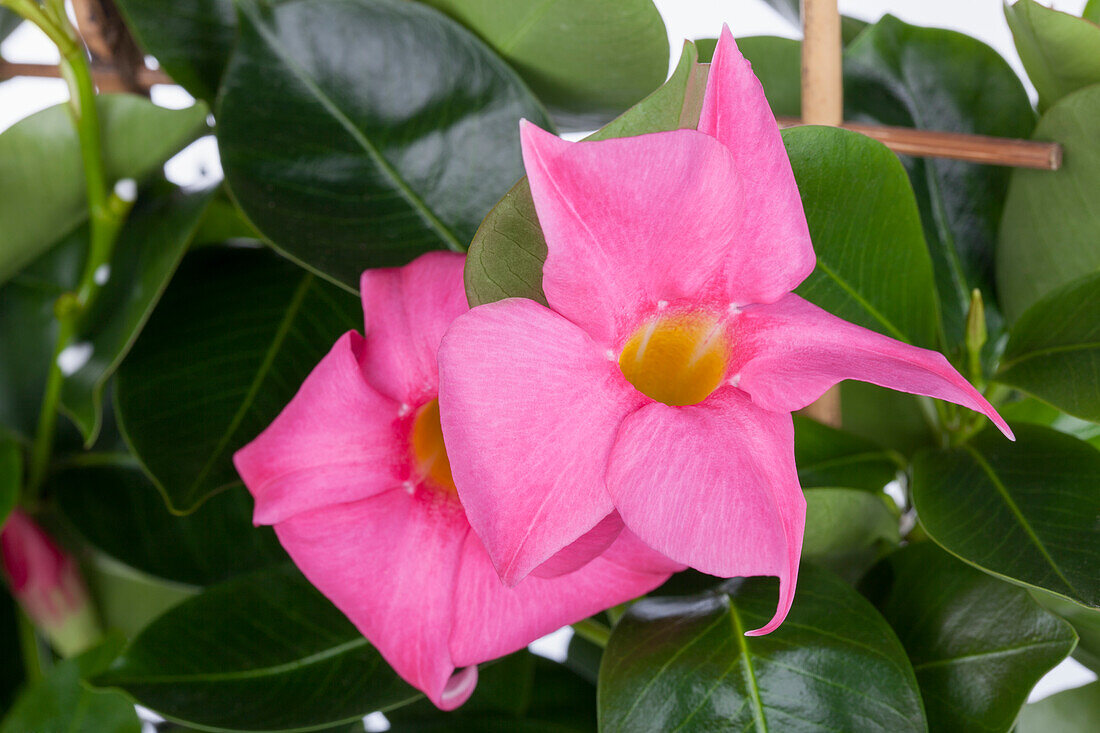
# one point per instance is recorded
(1060, 52)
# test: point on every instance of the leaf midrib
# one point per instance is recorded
(403, 187)
(1047, 351)
(874, 312)
(990, 653)
(750, 673)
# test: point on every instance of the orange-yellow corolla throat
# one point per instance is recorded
(676, 359)
(429, 454)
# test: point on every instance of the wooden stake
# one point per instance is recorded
(822, 83)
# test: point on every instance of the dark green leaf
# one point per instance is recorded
(260, 652)
(11, 671)
(1024, 511)
(9, 21)
(583, 657)
(684, 664)
(507, 253)
(59, 703)
(191, 39)
(11, 476)
(978, 644)
(148, 250)
(1053, 350)
(892, 419)
(115, 507)
(348, 155)
(42, 190)
(1048, 234)
(234, 336)
(1072, 711)
(1059, 51)
(935, 79)
(872, 268)
(1029, 409)
(587, 59)
(826, 456)
(1085, 621)
(128, 600)
(847, 530)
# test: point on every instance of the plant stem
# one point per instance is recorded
(593, 631)
(30, 648)
(107, 212)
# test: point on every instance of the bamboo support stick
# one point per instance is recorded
(107, 77)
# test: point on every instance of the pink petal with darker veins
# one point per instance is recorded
(789, 352)
(771, 252)
(390, 564)
(406, 311)
(492, 620)
(714, 486)
(629, 222)
(530, 407)
(336, 441)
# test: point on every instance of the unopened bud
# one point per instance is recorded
(975, 322)
(47, 584)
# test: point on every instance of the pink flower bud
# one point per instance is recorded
(47, 584)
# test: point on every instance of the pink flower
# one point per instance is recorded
(656, 389)
(47, 584)
(355, 478)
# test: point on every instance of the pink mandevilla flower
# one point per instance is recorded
(656, 389)
(356, 480)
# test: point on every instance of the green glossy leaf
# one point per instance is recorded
(261, 652)
(11, 476)
(233, 338)
(1092, 11)
(847, 530)
(115, 507)
(347, 155)
(42, 193)
(1048, 234)
(1072, 711)
(1058, 50)
(521, 692)
(1085, 621)
(588, 60)
(936, 79)
(777, 63)
(191, 39)
(1024, 511)
(127, 599)
(978, 644)
(1053, 350)
(11, 672)
(508, 250)
(147, 252)
(826, 456)
(684, 664)
(872, 268)
(583, 657)
(60, 703)
(149, 247)
(892, 419)
(1032, 410)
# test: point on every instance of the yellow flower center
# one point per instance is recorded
(429, 453)
(677, 360)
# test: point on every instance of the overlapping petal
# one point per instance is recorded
(771, 252)
(336, 441)
(576, 554)
(714, 486)
(530, 406)
(629, 222)
(492, 620)
(390, 563)
(406, 311)
(789, 352)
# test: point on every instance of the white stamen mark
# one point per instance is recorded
(735, 380)
(404, 409)
(409, 486)
(662, 304)
(72, 358)
(102, 274)
(649, 329)
(126, 189)
(733, 309)
(703, 346)
(610, 355)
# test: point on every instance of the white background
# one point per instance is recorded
(691, 19)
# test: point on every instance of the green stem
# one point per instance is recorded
(47, 416)
(593, 631)
(30, 648)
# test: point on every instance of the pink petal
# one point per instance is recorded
(789, 352)
(629, 222)
(529, 407)
(587, 546)
(336, 441)
(390, 564)
(406, 310)
(492, 620)
(772, 249)
(714, 486)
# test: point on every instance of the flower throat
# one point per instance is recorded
(428, 452)
(677, 359)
